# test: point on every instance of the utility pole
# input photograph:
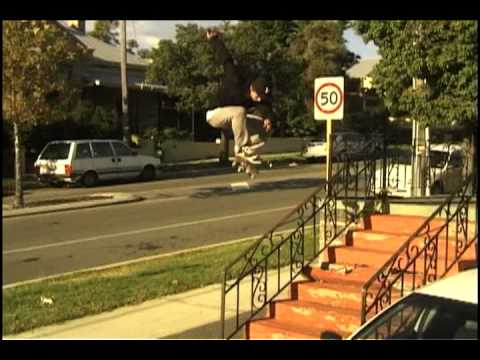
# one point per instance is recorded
(123, 58)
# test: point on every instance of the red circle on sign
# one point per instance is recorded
(339, 104)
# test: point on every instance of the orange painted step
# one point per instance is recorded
(359, 256)
(378, 257)
(277, 330)
(357, 276)
(339, 295)
(317, 316)
(392, 242)
(399, 224)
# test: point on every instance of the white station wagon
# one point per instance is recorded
(88, 161)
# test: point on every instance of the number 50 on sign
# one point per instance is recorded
(329, 98)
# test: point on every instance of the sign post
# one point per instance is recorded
(329, 101)
(328, 105)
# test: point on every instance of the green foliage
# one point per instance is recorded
(186, 67)
(105, 30)
(144, 53)
(37, 58)
(159, 136)
(85, 121)
(443, 52)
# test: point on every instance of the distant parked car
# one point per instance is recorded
(446, 309)
(88, 161)
(342, 142)
(446, 171)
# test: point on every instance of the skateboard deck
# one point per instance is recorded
(243, 165)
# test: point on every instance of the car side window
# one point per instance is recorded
(83, 151)
(456, 159)
(102, 149)
(399, 324)
(122, 149)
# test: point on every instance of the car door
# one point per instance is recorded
(453, 176)
(105, 163)
(128, 163)
(82, 160)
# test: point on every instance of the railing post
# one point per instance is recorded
(364, 306)
(222, 311)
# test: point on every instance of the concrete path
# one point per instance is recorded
(191, 315)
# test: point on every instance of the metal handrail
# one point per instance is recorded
(382, 275)
(258, 267)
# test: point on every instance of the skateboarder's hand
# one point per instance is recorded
(267, 125)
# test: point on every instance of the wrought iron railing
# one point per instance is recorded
(441, 172)
(277, 258)
(427, 255)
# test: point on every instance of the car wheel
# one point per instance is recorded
(148, 173)
(437, 188)
(90, 179)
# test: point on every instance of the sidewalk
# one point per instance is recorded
(191, 315)
(102, 199)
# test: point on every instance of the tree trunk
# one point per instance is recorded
(18, 201)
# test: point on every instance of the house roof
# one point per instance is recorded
(103, 51)
(363, 68)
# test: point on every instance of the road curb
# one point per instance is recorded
(117, 198)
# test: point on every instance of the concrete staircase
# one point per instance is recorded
(329, 302)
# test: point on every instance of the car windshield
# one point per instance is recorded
(55, 151)
(421, 316)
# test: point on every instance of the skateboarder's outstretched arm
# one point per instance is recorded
(262, 112)
(223, 57)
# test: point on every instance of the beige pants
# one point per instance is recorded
(230, 117)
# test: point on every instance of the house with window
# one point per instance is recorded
(363, 89)
(100, 78)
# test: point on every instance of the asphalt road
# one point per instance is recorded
(175, 215)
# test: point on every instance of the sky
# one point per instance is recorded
(148, 33)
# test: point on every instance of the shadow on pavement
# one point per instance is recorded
(303, 183)
(212, 330)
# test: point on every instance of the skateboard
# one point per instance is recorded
(246, 166)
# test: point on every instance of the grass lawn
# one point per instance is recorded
(89, 293)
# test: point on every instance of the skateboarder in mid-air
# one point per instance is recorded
(243, 106)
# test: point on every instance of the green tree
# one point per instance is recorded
(321, 50)
(36, 82)
(144, 53)
(186, 66)
(444, 53)
(106, 30)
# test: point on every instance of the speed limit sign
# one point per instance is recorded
(329, 98)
